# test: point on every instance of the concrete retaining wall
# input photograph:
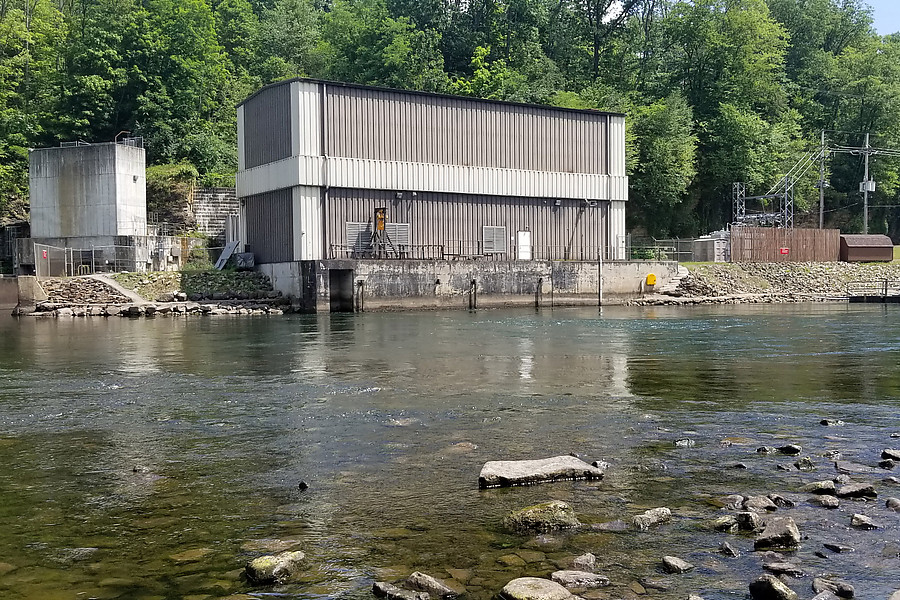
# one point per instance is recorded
(210, 206)
(9, 292)
(397, 285)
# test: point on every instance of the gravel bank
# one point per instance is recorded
(736, 283)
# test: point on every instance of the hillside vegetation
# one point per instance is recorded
(717, 91)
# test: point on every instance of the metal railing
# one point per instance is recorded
(878, 288)
(395, 252)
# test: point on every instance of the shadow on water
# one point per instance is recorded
(151, 458)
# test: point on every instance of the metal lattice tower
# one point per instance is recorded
(787, 203)
(739, 201)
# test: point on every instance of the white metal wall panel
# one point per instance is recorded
(617, 230)
(617, 145)
(267, 126)
(392, 175)
(242, 163)
(307, 225)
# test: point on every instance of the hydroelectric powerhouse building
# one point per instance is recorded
(353, 194)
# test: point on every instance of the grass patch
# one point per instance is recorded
(153, 286)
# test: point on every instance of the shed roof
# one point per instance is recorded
(589, 111)
(866, 241)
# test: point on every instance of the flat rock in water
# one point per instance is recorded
(831, 422)
(857, 490)
(837, 548)
(392, 592)
(673, 564)
(266, 570)
(791, 449)
(863, 522)
(579, 579)
(825, 501)
(534, 588)
(841, 589)
(780, 532)
(846, 467)
(654, 516)
(769, 587)
(890, 454)
(504, 473)
(549, 516)
(784, 568)
(426, 583)
(759, 504)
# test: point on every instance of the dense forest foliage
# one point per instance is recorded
(717, 91)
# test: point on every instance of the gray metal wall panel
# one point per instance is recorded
(269, 225)
(571, 230)
(267, 126)
(398, 126)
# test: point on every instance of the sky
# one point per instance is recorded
(886, 14)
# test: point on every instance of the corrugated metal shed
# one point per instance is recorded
(866, 248)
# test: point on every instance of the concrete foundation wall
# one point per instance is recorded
(9, 292)
(398, 284)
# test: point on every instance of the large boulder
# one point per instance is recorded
(280, 568)
(780, 532)
(673, 564)
(769, 587)
(534, 588)
(549, 516)
(504, 473)
(841, 589)
(857, 490)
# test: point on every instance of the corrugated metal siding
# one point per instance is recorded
(308, 99)
(616, 145)
(269, 226)
(396, 126)
(267, 126)
(571, 230)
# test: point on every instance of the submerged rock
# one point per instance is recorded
(780, 532)
(266, 570)
(534, 588)
(616, 526)
(503, 473)
(781, 501)
(392, 592)
(579, 579)
(893, 504)
(766, 450)
(728, 550)
(841, 589)
(805, 464)
(426, 583)
(673, 564)
(791, 449)
(887, 464)
(769, 587)
(654, 516)
(837, 548)
(585, 562)
(727, 523)
(549, 516)
(831, 422)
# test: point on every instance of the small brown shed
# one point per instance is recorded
(866, 248)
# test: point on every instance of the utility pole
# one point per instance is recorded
(822, 183)
(866, 188)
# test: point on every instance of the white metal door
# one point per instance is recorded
(523, 245)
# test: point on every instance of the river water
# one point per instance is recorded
(150, 459)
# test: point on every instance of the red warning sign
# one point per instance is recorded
(785, 251)
(44, 252)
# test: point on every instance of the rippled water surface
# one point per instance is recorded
(152, 458)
